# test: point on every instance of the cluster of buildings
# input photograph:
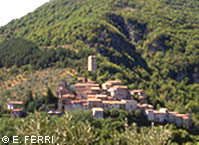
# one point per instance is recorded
(87, 94)
(90, 95)
(112, 94)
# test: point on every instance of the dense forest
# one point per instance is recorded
(148, 44)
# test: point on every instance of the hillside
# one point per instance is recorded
(148, 44)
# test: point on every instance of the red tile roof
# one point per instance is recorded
(98, 109)
(16, 102)
(120, 87)
(94, 100)
(137, 91)
(16, 110)
(86, 85)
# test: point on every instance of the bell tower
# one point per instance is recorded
(92, 65)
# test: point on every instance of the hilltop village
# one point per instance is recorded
(89, 95)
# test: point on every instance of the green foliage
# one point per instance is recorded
(41, 103)
(146, 136)
(65, 130)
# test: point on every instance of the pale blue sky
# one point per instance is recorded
(12, 9)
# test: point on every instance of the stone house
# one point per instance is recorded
(179, 120)
(137, 92)
(85, 106)
(130, 105)
(113, 104)
(149, 113)
(172, 117)
(159, 116)
(76, 104)
(93, 102)
(101, 96)
(119, 92)
(98, 112)
(142, 107)
(183, 120)
(16, 113)
(84, 89)
(14, 104)
(107, 85)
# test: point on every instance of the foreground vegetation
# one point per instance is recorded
(79, 127)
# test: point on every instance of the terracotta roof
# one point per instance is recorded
(86, 85)
(113, 102)
(110, 97)
(144, 105)
(141, 97)
(132, 100)
(120, 87)
(113, 81)
(101, 96)
(158, 112)
(75, 101)
(91, 96)
(94, 100)
(95, 88)
(16, 102)
(137, 91)
(85, 104)
(184, 116)
(16, 110)
(68, 96)
(173, 112)
(97, 109)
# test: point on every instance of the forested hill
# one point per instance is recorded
(149, 44)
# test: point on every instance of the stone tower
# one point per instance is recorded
(92, 66)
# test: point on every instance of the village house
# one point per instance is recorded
(119, 92)
(16, 113)
(142, 107)
(113, 104)
(187, 121)
(85, 89)
(137, 92)
(85, 106)
(172, 117)
(65, 99)
(159, 116)
(183, 120)
(98, 112)
(93, 102)
(101, 96)
(149, 113)
(14, 104)
(107, 85)
(130, 105)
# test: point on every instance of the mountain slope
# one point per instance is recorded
(149, 44)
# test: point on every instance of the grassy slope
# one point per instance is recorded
(15, 85)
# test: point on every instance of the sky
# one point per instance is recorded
(12, 9)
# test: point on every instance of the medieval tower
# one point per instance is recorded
(92, 66)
